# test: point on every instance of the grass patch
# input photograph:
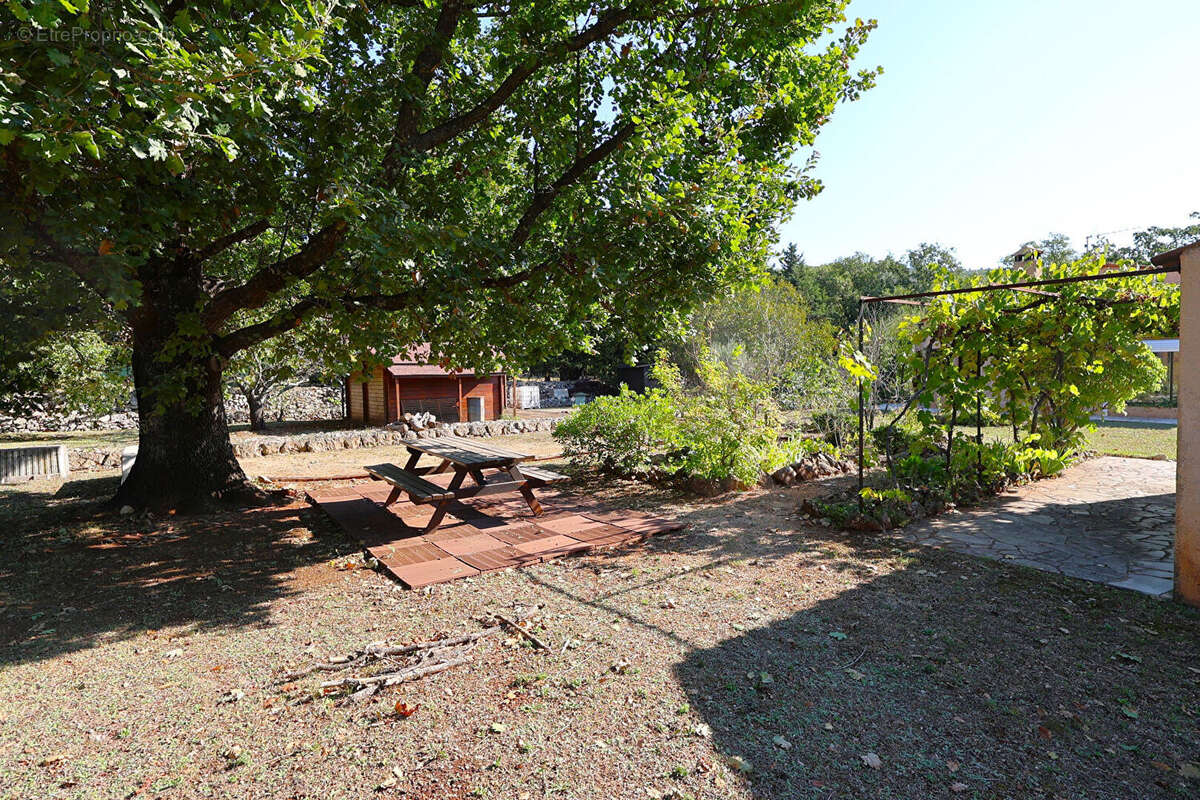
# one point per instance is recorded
(1133, 439)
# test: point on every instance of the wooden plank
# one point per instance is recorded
(416, 486)
(490, 449)
(539, 476)
(460, 452)
(446, 448)
(494, 487)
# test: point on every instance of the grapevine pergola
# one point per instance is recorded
(914, 299)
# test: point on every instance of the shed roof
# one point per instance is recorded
(416, 364)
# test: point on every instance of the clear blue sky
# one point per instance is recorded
(997, 123)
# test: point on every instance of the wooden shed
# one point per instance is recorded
(409, 384)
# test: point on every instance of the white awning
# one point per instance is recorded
(1163, 345)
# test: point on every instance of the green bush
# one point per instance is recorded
(621, 434)
(726, 427)
(974, 469)
(729, 425)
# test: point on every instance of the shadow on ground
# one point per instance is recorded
(965, 677)
(993, 686)
(73, 575)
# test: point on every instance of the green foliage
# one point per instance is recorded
(729, 424)
(723, 427)
(764, 333)
(542, 169)
(1154, 240)
(975, 468)
(832, 290)
(1043, 363)
(885, 495)
(76, 372)
(621, 434)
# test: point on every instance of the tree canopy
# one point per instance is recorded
(485, 177)
(1156, 239)
(832, 290)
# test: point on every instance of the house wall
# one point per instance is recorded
(354, 391)
(438, 396)
(388, 397)
(1187, 470)
(377, 399)
(489, 389)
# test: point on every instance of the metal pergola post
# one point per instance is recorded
(861, 408)
(1171, 378)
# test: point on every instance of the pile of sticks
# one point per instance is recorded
(403, 663)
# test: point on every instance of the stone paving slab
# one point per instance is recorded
(478, 536)
(1109, 520)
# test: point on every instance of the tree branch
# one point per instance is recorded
(282, 322)
(272, 278)
(545, 198)
(412, 109)
(604, 27)
(295, 315)
(256, 291)
(225, 242)
(81, 263)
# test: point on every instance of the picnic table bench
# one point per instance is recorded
(468, 460)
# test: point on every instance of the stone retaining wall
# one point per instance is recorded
(88, 459)
(51, 421)
(302, 404)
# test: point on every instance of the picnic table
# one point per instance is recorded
(467, 459)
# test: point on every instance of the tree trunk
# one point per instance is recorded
(258, 411)
(185, 460)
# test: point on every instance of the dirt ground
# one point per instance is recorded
(751, 655)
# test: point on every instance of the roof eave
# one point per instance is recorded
(1172, 258)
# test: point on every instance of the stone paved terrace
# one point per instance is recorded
(1109, 520)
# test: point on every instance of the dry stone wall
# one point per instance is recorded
(86, 459)
(302, 404)
(396, 433)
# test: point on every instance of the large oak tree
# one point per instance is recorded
(489, 177)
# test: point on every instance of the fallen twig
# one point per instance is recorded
(855, 661)
(528, 634)
(379, 650)
(393, 678)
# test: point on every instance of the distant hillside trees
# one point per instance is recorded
(831, 290)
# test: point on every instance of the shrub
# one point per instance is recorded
(838, 426)
(621, 434)
(729, 425)
(726, 427)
